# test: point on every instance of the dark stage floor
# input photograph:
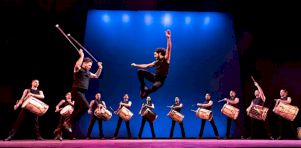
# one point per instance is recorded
(152, 143)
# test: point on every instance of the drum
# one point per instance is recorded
(35, 106)
(258, 112)
(149, 115)
(102, 113)
(204, 114)
(176, 116)
(299, 132)
(67, 110)
(286, 111)
(124, 113)
(230, 111)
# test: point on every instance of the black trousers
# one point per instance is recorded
(213, 126)
(289, 126)
(238, 124)
(22, 115)
(259, 123)
(142, 126)
(173, 123)
(127, 123)
(157, 81)
(60, 127)
(81, 105)
(92, 121)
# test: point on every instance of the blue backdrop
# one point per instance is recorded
(203, 58)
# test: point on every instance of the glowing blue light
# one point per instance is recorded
(148, 19)
(167, 20)
(206, 20)
(106, 18)
(125, 18)
(187, 20)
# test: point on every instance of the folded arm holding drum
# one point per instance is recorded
(26, 94)
(210, 103)
(288, 101)
(235, 101)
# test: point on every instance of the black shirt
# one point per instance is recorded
(162, 67)
(81, 79)
(206, 102)
(258, 101)
(177, 109)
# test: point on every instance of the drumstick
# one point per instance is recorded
(69, 35)
(221, 100)
(60, 29)
(253, 78)
(193, 110)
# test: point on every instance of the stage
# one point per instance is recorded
(149, 143)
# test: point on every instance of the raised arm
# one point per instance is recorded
(79, 62)
(143, 65)
(168, 48)
(262, 96)
(98, 72)
(104, 104)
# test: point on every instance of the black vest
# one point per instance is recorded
(177, 109)
(96, 103)
(232, 99)
(37, 92)
(206, 102)
(258, 101)
(81, 79)
(162, 67)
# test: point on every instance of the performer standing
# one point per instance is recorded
(177, 107)
(259, 100)
(161, 63)
(148, 105)
(63, 103)
(125, 103)
(207, 104)
(284, 98)
(33, 91)
(233, 100)
(97, 102)
(81, 78)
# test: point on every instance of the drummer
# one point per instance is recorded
(207, 104)
(233, 101)
(259, 100)
(63, 103)
(125, 103)
(34, 92)
(177, 107)
(148, 105)
(284, 98)
(97, 102)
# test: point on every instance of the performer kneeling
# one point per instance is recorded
(148, 105)
(177, 107)
(97, 102)
(31, 92)
(127, 104)
(65, 106)
(207, 104)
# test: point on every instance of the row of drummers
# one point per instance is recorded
(256, 111)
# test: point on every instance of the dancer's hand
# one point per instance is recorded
(89, 112)
(99, 65)
(81, 52)
(168, 33)
(133, 65)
